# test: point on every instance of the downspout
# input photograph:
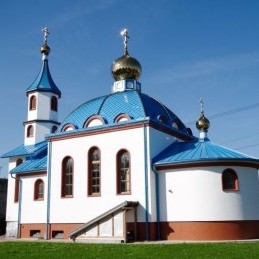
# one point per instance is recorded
(19, 206)
(49, 188)
(157, 204)
(146, 181)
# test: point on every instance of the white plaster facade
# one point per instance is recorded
(196, 194)
(109, 144)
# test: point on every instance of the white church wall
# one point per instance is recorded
(33, 211)
(157, 141)
(195, 194)
(41, 130)
(11, 206)
(81, 208)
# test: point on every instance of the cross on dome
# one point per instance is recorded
(45, 34)
(125, 35)
(45, 49)
(202, 105)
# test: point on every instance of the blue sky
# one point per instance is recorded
(188, 49)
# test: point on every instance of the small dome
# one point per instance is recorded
(45, 49)
(126, 67)
(202, 123)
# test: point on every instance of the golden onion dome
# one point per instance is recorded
(126, 67)
(202, 123)
(45, 49)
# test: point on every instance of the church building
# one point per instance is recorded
(123, 167)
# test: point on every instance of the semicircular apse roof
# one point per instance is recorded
(138, 106)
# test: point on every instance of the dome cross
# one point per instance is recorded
(45, 34)
(125, 35)
(202, 105)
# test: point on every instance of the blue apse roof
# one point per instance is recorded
(23, 150)
(137, 105)
(34, 165)
(194, 151)
(44, 81)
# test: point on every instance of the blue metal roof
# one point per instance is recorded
(28, 166)
(198, 151)
(23, 150)
(137, 105)
(44, 81)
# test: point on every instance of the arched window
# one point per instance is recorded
(39, 190)
(67, 177)
(54, 129)
(16, 189)
(33, 100)
(54, 103)
(18, 161)
(122, 117)
(30, 131)
(94, 171)
(68, 127)
(17, 182)
(94, 120)
(123, 172)
(230, 180)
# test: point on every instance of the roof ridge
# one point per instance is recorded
(140, 97)
(103, 101)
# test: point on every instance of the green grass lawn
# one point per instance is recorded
(50, 250)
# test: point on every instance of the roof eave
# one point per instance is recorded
(207, 162)
(32, 171)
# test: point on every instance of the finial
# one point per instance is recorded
(45, 49)
(202, 105)
(45, 34)
(125, 35)
(202, 123)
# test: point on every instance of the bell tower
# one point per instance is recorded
(43, 97)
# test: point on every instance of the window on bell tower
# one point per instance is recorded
(54, 129)
(54, 103)
(33, 101)
(30, 131)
